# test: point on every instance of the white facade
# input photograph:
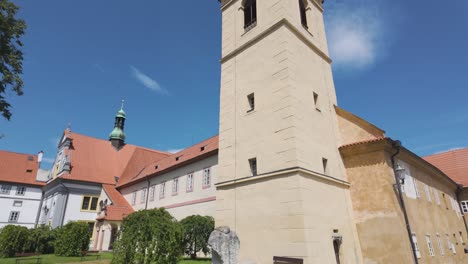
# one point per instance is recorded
(200, 200)
(19, 205)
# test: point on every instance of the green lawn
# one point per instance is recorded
(52, 259)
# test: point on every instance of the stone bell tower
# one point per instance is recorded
(281, 185)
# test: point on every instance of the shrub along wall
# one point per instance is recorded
(72, 239)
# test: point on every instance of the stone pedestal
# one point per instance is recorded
(225, 246)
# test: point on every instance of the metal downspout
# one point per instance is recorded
(147, 193)
(66, 204)
(40, 209)
(397, 145)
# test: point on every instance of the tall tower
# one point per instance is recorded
(117, 136)
(281, 180)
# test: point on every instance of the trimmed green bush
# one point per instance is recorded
(40, 240)
(12, 240)
(150, 236)
(197, 230)
(71, 239)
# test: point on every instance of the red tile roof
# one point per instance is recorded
(119, 209)
(191, 154)
(453, 163)
(14, 168)
(364, 142)
(96, 160)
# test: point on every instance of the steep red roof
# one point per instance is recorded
(202, 149)
(119, 209)
(364, 142)
(453, 163)
(96, 160)
(19, 168)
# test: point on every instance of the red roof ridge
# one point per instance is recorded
(446, 152)
(364, 142)
(19, 153)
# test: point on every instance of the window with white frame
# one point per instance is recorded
(143, 196)
(441, 246)
(416, 246)
(17, 203)
(162, 190)
(429, 246)
(190, 182)
(14, 216)
(5, 189)
(134, 195)
(428, 193)
(464, 205)
(175, 186)
(20, 190)
(416, 187)
(152, 191)
(436, 195)
(451, 246)
(206, 177)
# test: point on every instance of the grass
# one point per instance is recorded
(52, 259)
(91, 259)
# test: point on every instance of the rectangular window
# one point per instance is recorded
(14, 216)
(206, 178)
(20, 190)
(464, 205)
(325, 164)
(316, 102)
(143, 196)
(416, 187)
(152, 191)
(436, 195)
(450, 245)
(253, 166)
(429, 246)
(251, 99)
(175, 186)
(441, 246)
(250, 14)
(416, 246)
(461, 238)
(162, 190)
(89, 203)
(5, 189)
(17, 203)
(190, 182)
(428, 193)
(134, 194)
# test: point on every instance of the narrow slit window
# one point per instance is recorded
(302, 8)
(325, 165)
(253, 166)
(143, 196)
(251, 100)
(134, 194)
(316, 102)
(250, 14)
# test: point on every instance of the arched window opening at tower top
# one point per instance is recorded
(250, 14)
(302, 7)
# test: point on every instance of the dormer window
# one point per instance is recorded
(250, 14)
(302, 9)
(178, 158)
(203, 148)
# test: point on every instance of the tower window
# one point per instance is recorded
(253, 166)
(325, 165)
(250, 14)
(302, 8)
(251, 99)
(316, 102)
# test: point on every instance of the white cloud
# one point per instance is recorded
(147, 81)
(48, 160)
(173, 151)
(356, 32)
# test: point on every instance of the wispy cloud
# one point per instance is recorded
(99, 67)
(357, 33)
(147, 81)
(48, 160)
(174, 150)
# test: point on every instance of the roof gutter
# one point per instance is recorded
(397, 146)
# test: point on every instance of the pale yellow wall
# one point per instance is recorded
(170, 200)
(354, 129)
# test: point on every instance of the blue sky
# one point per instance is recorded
(402, 65)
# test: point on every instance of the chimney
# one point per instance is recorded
(40, 155)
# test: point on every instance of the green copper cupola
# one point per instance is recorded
(117, 136)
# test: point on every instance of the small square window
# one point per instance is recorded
(5, 189)
(13, 217)
(251, 100)
(253, 166)
(325, 165)
(20, 190)
(17, 203)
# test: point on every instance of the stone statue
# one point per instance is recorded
(225, 246)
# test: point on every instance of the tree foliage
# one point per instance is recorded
(40, 240)
(12, 240)
(72, 239)
(150, 236)
(11, 56)
(197, 230)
